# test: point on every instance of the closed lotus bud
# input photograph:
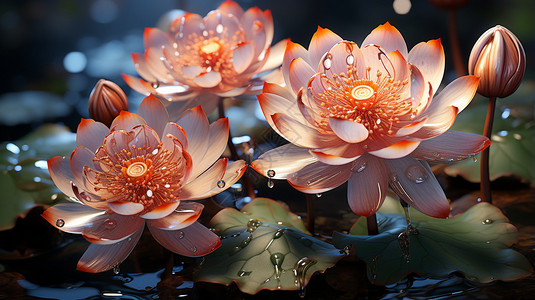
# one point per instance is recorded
(499, 60)
(106, 101)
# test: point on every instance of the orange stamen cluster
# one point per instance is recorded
(212, 51)
(376, 104)
(152, 177)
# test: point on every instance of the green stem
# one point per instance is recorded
(371, 221)
(310, 213)
(487, 131)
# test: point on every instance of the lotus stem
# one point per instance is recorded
(234, 153)
(310, 213)
(455, 45)
(371, 221)
(487, 131)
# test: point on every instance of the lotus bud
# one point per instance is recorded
(106, 101)
(498, 58)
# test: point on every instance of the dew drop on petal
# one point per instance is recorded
(155, 151)
(60, 222)
(319, 195)
(327, 63)
(116, 270)
(221, 184)
(149, 193)
(487, 221)
(416, 174)
(357, 168)
(193, 249)
(219, 28)
(180, 234)
(110, 224)
(271, 173)
(167, 185)
(350, 59)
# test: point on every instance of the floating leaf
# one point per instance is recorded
(24, 177)
(512, 139)
(265, 247)
(31, 106)
(475, 243)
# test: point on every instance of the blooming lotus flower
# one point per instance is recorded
(356, 114)
(142, 171)
(220, 54)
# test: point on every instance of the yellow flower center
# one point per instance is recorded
(375, 103)
(150, 176)
(363, 95)
(210, 47)
(137, 169)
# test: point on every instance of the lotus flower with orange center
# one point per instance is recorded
(356, 114)
(219, 55)
(142, 171)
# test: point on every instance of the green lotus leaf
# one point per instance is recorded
(265, 247)
(475, 243)
(24, 177)
(512, 139)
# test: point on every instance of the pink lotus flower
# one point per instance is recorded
(142, 170)
(220, 54)
(356, 114)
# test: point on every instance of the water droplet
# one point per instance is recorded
(358, 168)
(149, 193)
(278, 234)
(487, 221)
(193, 249)
(319, 195)
(276, 260)
(416, 174)
(110, 224)
(167, 185)
(221, 184)
(270, 183)
(246, 242)
(219, 28)
(373, 270)
(60, 222)
(327, 63)
(253, 224)
(350, 59)
(346, 250)
(244, 273)
(116, 270)
(301, 268)
(180, 234)
(205, 33)
(271, 173)
(155, 85)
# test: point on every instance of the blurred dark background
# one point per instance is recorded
(61, 48)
